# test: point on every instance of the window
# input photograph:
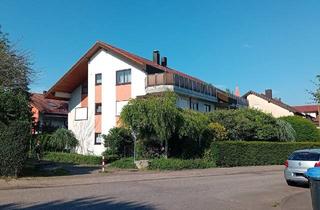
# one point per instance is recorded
(98, 79)
(97, 138)
(123, 77)
(307, 156)
(207, 108)
(98, 108)
(194, 105)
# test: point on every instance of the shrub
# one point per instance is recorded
(124, 163)
(119, 142)
(13, 147)
(179, 164)
(216, 132)
(285, 131)
(63, 140)
(241, 153)
(72, 158)
(305, 129)
(248, 124)
(44, 142)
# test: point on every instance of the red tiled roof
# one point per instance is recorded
(49, 106)
(78, 71)
(307, 108)
(274, 101)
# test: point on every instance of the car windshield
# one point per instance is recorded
(305, 156)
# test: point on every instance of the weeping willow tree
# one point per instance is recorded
(153, 117)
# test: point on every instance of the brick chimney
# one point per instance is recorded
(156, 56)
(268, 93)
(164, 61)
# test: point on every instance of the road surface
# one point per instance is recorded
(222, 188)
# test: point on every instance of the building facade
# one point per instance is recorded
(270, 105)
(48, 114)
(102, 82)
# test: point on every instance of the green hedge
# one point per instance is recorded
(72, 158)
(179, 164)
(14, 139)
(241, 153)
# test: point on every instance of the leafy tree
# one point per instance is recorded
(15, 66)
(316, 93)
(193, 125)
(152, 116)
(63, 140)
(119, 142)
(246, 124)
(15, 114)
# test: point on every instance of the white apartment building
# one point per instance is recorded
(102, 82)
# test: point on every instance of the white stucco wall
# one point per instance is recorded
(107, 64)
(83, 129)
(267, 107)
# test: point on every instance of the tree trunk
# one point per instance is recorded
(166, 149)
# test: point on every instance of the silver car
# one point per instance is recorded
(298, 163)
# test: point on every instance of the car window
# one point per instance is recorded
(305, 156)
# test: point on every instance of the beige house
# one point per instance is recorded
(267, 104)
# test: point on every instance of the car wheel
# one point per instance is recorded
(291, 183)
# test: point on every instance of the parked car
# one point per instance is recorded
(298, 163)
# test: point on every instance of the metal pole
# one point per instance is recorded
(134, 146)
(103, 163)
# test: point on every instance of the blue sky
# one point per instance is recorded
(253, 44)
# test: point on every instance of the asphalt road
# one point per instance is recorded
(231, 188)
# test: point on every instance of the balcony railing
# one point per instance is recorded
(180, 81)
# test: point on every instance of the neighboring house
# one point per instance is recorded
(310, 111)
(267, 104)
(48, 114)
(102, 82)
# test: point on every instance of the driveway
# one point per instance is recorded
(221, 188)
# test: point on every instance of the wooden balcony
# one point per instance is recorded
(181, 82)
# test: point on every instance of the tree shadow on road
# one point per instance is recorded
(83, 203)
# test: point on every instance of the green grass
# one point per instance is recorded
(164, 164)
(32, 169)
(179, 164)
(124, 163)
(72, 158)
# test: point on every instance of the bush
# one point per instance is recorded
(216, 132)
(14, 146)
(305, 129)
(124, 163)
(179, 164)
(247, 124)
(285, 131)
(72, 158)
(241, 153)
(63, 140)
(119, 142)
(44, 140)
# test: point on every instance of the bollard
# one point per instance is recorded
(103, 163)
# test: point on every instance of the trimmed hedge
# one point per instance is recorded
(72, 158)
(179, 164)
(13, 147)
(241, 153)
